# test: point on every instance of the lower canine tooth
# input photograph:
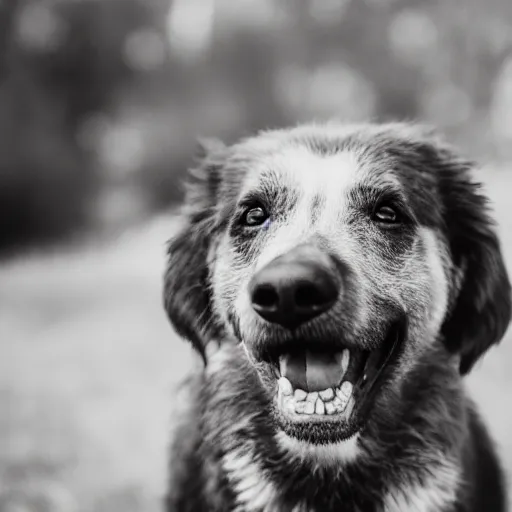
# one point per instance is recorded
(319, 407)
(346, 388)
(300, 395)
(285, 386)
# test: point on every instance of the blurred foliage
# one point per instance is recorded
(101, 100)
(60, 64)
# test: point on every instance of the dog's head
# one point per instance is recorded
(337, 256)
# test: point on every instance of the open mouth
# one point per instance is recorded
(325, 395)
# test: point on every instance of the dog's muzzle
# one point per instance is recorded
(324, 373)
(293, 289)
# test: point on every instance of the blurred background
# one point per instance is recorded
(101, 102)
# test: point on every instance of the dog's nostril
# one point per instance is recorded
(265, 297)
(308, 295)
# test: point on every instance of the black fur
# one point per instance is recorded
(186, 286)
(432, 414)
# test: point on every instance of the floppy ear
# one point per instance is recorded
(187, 295)
(482, 305)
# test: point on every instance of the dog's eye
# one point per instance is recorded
(386, 215)
(254, 216)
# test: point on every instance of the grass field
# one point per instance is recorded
(87, 368)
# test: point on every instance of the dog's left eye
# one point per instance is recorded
(254, 216)
(386, 215)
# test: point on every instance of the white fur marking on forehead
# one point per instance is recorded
(310, 173)
(302, 171)
(315, 181)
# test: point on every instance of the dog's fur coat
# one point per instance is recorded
(423, 447)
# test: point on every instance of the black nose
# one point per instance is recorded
(295, 287)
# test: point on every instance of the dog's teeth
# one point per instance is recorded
(340, 403)
(300, 395)
(329, 408)
(345, 359)
(346, 389)
(300, 407)
(285, 386)
(312, 397)
(327, 394)
(344, 393)
(319, 407)
(337, 404)
(310, 408)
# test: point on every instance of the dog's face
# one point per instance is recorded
(339, 257)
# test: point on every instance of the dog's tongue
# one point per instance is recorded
(311, 371)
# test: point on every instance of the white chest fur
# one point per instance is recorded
(434, 494)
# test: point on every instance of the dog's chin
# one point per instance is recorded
(327, 396)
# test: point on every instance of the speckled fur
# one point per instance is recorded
(423, 447)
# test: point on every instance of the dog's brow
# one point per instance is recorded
(374, 193)
(271, 192)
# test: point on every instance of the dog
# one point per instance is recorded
(338, 282)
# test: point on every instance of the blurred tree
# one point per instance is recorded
(107, 96)
(60, 63)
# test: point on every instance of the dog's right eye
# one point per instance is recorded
(254, 216)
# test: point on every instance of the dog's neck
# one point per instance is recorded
(256, 491)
